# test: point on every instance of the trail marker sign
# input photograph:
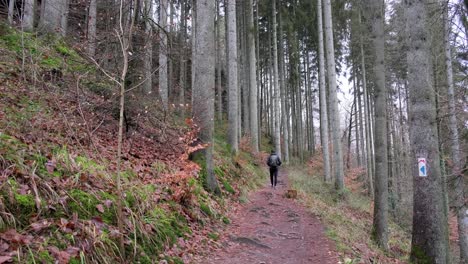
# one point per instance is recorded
(422, 167)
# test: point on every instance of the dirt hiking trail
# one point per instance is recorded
(272, 229)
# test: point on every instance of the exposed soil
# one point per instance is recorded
(271, 228)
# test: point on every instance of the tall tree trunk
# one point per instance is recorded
(361, 123)
(231, 52)
(323, 98)
(64, 19)
(183, 57)
(163, 48)
(429, 237)
(366, 115)
(28, 15)
(148, 48)
(244, 76)
(376, 27)
(334, 111)
(358, 121)
(11, 11)
(460, 205)
(276, 93)
(219, 88)
(170, 52)
(253, 78)
(54, 16)
(282, 91)
(92, 20)
(204, 82)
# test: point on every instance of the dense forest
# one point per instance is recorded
(170, 98)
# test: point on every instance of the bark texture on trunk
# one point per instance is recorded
(460, 205)
(376, 28)
(54, 16)
(92, 20)
(429, 236)
(276, 93)
(163, 71)
(148, 59)
(252, 77)
(28, 15)
(204, 82)
(323, 98)
(11, 10)
(231, 50)
(334, 110)
(282, 91)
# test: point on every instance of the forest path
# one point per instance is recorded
(271, 229)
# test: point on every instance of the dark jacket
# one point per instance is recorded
(274, 160)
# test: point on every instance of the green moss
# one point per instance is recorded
(228, 187)
(418, 256)
(84, 204)
(174, 260)
(62, 48)
(226, 220)
(45, 257)
(51, 62)
(214, 236)
(100, 88)
(26, 202)
(206, 209)
(88, 164)
(74, 261)
(168, 226)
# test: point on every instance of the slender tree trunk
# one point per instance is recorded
(203, 90)
(358, 121)
(28, 15)
(323, 98)
(124, 35)
(253, 78)
(429, 237)
(183, 57)
(163, 48)
(460, 205)
(335, 113)
(361, 123)
(376, 27)
(219, 87)
(281, 77)
(170, 52)
(92, 20)
(231, 52)
(277, 124)
(366, 115)
(245, 71)
(11, 11)
(148, 48)
(65, 4)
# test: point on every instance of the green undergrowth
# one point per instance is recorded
(45, 58)
(65, 197)
(348, 219)
(78, 199)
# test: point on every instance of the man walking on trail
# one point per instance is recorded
(273, 162)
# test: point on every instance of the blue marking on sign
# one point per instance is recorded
(423, 170)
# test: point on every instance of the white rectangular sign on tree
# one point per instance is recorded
(422, 167)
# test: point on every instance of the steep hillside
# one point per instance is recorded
(58, 148)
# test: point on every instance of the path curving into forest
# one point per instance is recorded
(272, 229)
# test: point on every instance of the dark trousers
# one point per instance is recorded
(273, 175)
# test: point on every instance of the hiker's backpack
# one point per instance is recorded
(273, 161)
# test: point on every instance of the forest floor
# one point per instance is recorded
(272, 228)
